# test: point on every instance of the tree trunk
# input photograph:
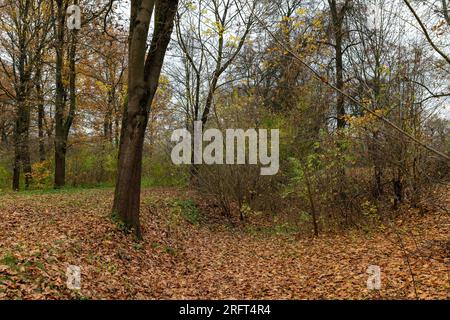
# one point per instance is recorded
(63, 123)
(60, 147)
(3, 134)
(22, 150)
(3, 129)
(143, 79)
(41, 116)
(22, 127)
(108, 122)
(337, 17)
(311, 202)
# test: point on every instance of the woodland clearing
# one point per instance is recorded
(204, 258)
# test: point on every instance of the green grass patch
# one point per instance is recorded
(189, 211)
(10, 261)
(171, 251)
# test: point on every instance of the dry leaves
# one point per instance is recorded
(41, 235)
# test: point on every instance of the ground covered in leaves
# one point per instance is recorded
(187, 256)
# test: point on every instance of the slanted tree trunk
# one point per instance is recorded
(143, 78)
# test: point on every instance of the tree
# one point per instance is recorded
(26, 28)
(210, 36)
(66, 44)
(211, 46)
(143, 78)
(425, 31)
(108, 67)
(338, 13)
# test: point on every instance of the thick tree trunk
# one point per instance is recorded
(60, 146)
(143, 79)
(22, 151)
(128, 187)
(63, 123)
(22, 126)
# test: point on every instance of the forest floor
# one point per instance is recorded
(186, 257)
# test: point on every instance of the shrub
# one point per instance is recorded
(237, 189)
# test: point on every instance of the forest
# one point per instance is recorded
(224, 149)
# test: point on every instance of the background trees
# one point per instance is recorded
(25, 29)
(91, 97)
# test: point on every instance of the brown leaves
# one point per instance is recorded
(41, 235)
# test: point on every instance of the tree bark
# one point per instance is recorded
(337, 18)
(311, 202)
(22, 125)
(63, 123)
(143, 79)
(108, 122)
(22, 149)
(60, 146)
(41, 116)
(3, 133)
